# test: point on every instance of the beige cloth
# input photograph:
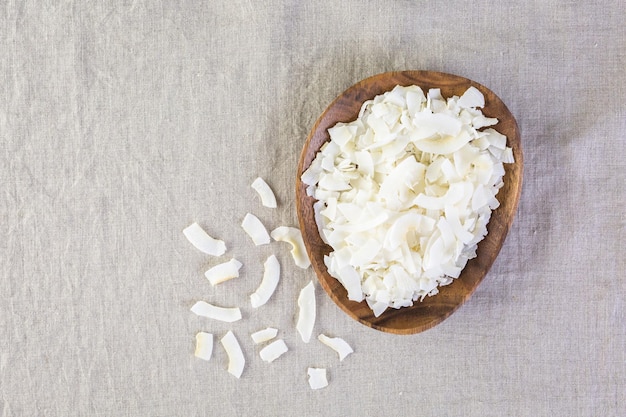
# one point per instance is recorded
(123, 122)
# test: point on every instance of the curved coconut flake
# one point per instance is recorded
(471, 98)
(273, 351)
(293, 236)
(271, 276)
(255, 229)
(223, 272)
(427, 124)
(481, 121)
(196, 235)
(306, 314)
(268, 199)
(507, 155)
(204, 345)
(341, 133)
(410, 222)
(334, 181)
(264, 335)
(226, 314)
(369, 250)
(402, 180)
(236, 360)
(452, 216)
(377, 307)
(351, 280)
(317, 378)
(365, 162)
(337, 344)
(443, 144)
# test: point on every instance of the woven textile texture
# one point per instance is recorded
(122, 122)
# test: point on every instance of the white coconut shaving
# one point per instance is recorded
(236, 360)
(273, 351)
(271, 277)
(317, 378)
(268, 199)
(196, 235)
(223, 272)
(204, 346)
(225, 314)
(306, 312)
(264, 335)
(293, 236)
(255, 229)
(337, 344)
(405, 193)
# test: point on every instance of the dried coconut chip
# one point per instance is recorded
(271, 276)
(223, 272)
(236, 360)
(202, 241)
(273, 351)
(264, 335)
(204, 345)
(293, 236)
(317, 378)
(337, 344)
(226, 314)
(268, 199)
(306, 314)
(255, 229)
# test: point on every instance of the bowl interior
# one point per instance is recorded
(432, 310)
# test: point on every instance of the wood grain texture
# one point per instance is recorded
(433, 310)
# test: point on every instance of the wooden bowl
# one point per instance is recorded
(433, 310)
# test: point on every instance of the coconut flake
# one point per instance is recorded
(306, 314)
(293, 236)
(264, 335)
(255, 229)
(223, 272)
(204, 345)
(273, 351)
(507, 156)
(202, 241)
(236, 360)
(337, 344)
(271, 276)
(226, 314)
(268, 199)
(472, 98)
(351, 280)
(317, 378)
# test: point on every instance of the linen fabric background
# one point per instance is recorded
(122, 122)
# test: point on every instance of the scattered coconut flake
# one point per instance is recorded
(202, 241)
(236, 360)
(404, 193)
(306, 315)
(255, 229)
(271, 276)
(223, 272)
(204, 345)
(273, 351)
(337, 344)
(226, 314)
(293, 236)
(264, 335)
(268, 199)
(317, 378)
